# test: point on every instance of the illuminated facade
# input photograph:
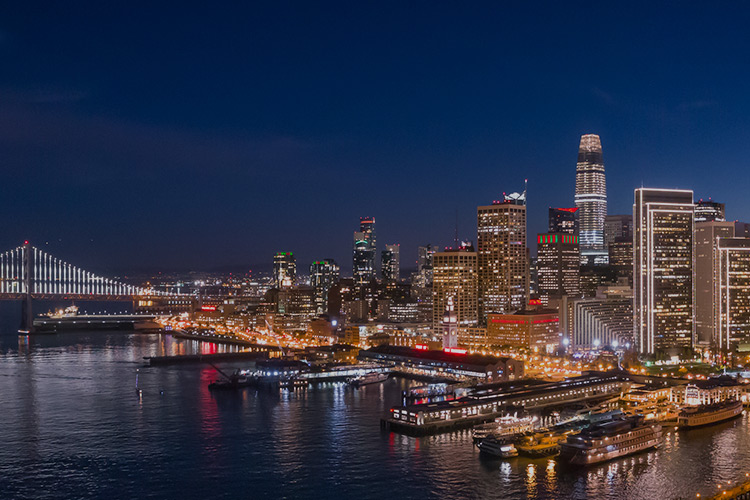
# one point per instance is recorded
(709, 210)
(503, 263)
(732, 296)
(663, 270)
(621, 258)
(363, 261)
(390, 266)
(617, 227)
(538, 330)
(323, 275)
(601, 322)
(284, 269)
(450, 325)
(591, 199)
(563, 220)
(558, 265)
(455, 277)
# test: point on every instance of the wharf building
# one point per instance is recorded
(390, 267)
(563, 220)
(709, 210)
(284, 269)
(323, 275)
(537, 329)
(455, 278)
(663, 271)
(363, 259)
(591, 199)
(502, 256)
(558, 265)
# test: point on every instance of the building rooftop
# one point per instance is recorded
(447, 357)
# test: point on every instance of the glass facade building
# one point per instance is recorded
(591, 198)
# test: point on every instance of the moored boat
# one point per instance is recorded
(370, 378)
(609, 440)
(497, 447)
(699, 416)
(503, 427)
(541, 444)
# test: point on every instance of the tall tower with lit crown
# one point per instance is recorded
(450, 326)
(591, 199)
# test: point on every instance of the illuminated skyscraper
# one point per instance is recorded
(284, 269)
(563, 220)
(503, 263)
(558, 262)
(323, 275)
(455, 277)
(663, 270)
(617, 227)
(708, 210)
(390, 263)
(704, 258)
(732, 297)
(363, 261)
(591, 199)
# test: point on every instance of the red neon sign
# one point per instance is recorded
(421, 347)
(455, 350)
(208, 308)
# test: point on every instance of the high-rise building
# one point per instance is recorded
(732, 297)
(503, 264)
(284, 269)
(706, 252)
(363, 262)
(741, 229)
(591, 199)
(390, 264)
(323, 275)
(621, 258)
(709, 210)
(563, 220)
(456, 277)
(617, 226)
(663, 270)
(558, 265)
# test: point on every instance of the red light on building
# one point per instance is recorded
(535, 302)
(208, 308)
(455, 350)
(571, 210)
(421, 347)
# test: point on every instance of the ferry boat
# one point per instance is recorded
(497, 447)
(370, 378)
(502, 427)
(709, 414)
(609, 440)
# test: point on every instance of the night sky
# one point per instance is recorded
(134, 136)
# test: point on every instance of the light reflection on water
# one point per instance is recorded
(74, 428)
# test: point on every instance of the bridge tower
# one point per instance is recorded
(27, 314)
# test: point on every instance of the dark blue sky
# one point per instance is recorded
(138, 136)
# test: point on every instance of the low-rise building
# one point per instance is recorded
(538, 330)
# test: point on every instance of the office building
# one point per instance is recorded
(732, 298)
(591, 199)
(558, 265)
(390, 264)
(709, 210)
(663, 271)
(363, 261)
(502, 254)
(284, 269)
(617, 227)
(621, 258)
(563, 220)
(455, 278)
(538, 330)
(323, 275)
(706, 253)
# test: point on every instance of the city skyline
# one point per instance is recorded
(204, 146)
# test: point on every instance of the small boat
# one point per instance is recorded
(292, 383)
(699, 416)
(542, 444)
(370, 378)
(497, 447)
(234, 381)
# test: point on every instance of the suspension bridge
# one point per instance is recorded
(28, 273)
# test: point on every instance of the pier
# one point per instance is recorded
(251, 355)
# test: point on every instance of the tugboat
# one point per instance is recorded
(497, 447)
(699, 416)
(370, 378)
(609, 440)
